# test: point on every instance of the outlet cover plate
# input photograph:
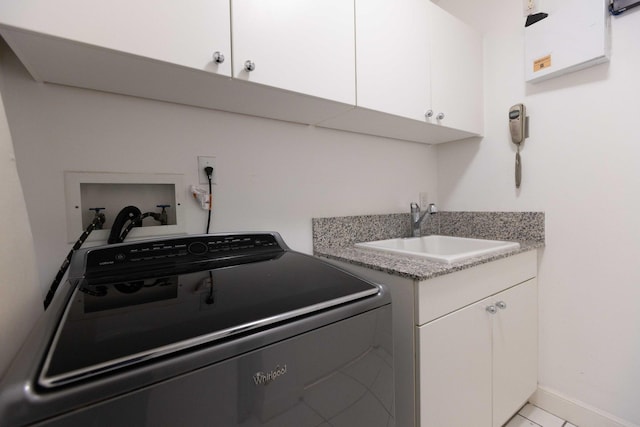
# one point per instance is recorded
(203, 162)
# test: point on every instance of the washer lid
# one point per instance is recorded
(110, 325)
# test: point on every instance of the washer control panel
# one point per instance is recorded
(179, 250)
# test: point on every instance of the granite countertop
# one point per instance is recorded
(412, 267)
(334, 238)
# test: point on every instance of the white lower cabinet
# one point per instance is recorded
(515, 350)
(455, 363)
(454, 369)
(477, 365)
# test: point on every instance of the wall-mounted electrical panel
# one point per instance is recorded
(574, 35)
(86, 191)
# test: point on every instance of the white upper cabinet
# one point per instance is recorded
(456, 72)
(292, 60)
(393, 57)
(305, 46)
(164, 50)
(419, 73)
(186, 33)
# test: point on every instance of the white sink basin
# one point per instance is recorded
(445, 249)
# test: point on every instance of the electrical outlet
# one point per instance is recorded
(203, 162)
(530, 7)
(424, 201)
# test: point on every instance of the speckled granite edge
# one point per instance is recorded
(334, 238)
(412, 267)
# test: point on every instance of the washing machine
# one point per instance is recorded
(231, 329)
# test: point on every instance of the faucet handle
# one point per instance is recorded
(414, 207)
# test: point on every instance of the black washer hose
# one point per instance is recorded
(137, 222)
(97, 221)
(128, 213)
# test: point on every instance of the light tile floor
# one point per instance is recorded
(532, 416)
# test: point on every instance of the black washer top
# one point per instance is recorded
(119, 315)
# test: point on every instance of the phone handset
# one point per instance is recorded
(517, 128)
(517, 118)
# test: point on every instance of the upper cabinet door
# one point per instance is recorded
(456, 72)
(186, 33)
(305, 46)
(392, 51)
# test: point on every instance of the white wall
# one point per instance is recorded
(20, 302)
(271, 175)
(581, 166)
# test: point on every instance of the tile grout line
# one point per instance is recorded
(565, 423)
(531, 420)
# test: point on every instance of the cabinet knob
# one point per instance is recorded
(440, 116)
(218, 58)
(249, 65)
(501, 305)
(492, 309)
(428, 113)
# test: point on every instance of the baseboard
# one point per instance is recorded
(574, 411)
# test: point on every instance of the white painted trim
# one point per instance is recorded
(574, 411)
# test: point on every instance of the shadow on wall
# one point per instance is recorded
(464, 151)
(20, 303)
(587, 76)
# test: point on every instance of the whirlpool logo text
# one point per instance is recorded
(264, 378)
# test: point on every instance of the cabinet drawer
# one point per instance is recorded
(442, 295)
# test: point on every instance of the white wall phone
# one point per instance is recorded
(518, 128)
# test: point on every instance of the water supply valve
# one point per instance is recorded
(162, 217)
(100, 216)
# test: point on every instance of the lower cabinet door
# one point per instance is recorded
(515, 349)
(454, 369)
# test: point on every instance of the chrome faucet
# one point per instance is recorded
(416, 218)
